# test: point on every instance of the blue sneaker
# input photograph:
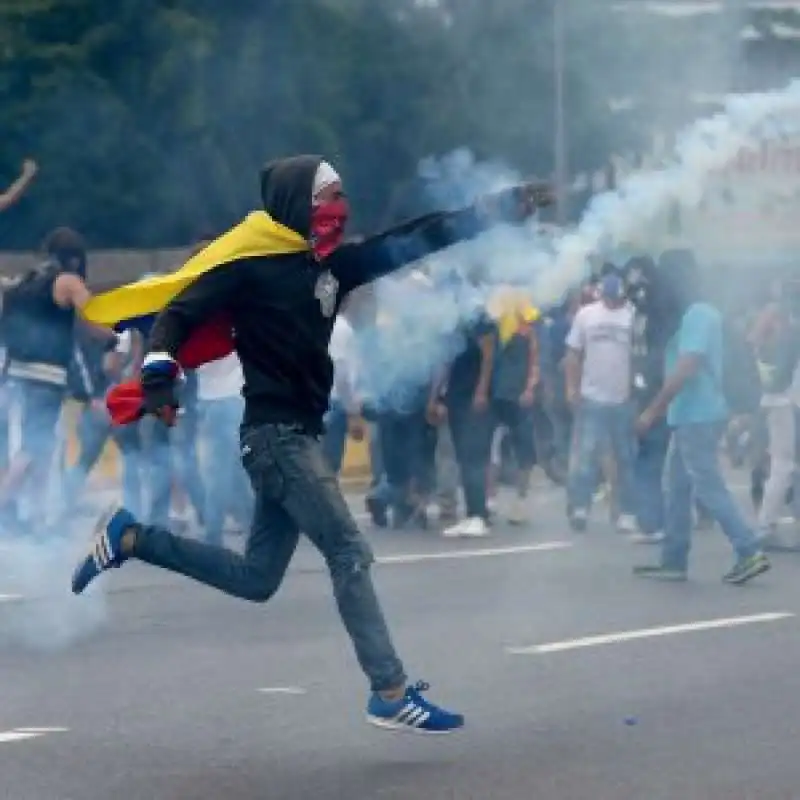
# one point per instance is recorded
(412, 713)
(106, 550)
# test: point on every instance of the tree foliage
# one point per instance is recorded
(150, 118)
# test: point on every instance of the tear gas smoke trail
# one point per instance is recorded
(705, 148)
(39, 610)
(467, 277)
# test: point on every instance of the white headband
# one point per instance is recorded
(326, 175)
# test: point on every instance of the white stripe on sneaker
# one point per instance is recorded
(423, 718)
(102, 552)
(405, 712)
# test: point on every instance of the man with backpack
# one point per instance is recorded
(39, 310)
(693, 398)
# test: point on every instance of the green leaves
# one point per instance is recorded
(150, 123)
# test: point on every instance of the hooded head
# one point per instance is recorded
(639, 274)
(67, 249)
(675, 287)
(305, 194)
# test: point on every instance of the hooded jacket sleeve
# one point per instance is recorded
(357, 264)
(214, 292)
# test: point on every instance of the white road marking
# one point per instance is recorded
(291, 690)
(9, 598)
(645, 633)
(23, 734)
(484, 552)
(42, 731)
(17, 736)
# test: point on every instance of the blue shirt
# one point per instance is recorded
(702, 399)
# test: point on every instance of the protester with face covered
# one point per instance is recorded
(462, 399)
(694, 401)
(280, 278)
(515, 384)
(648, 376)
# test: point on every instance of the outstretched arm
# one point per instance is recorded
(359, 263)
(20, 185)
(71, 291)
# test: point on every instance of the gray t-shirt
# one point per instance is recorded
(603, 336)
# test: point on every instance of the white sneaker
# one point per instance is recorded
(627, 524)
(470, 528)
(518, 511)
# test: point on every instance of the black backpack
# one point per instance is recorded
(741, 380)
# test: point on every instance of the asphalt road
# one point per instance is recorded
(151, 687)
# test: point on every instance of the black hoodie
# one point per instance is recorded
(283, 307)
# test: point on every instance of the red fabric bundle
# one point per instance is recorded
(209, 342)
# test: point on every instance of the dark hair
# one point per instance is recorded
(68, 247)
(645, 264)
(64, 240)
(675, 287)
(678, 270)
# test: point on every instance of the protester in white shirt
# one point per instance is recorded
(344, 413)
(598, 377)
(219, 395)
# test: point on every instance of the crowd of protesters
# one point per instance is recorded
(609, 392)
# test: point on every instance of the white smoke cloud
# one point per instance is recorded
(37, 608)
(548, 265)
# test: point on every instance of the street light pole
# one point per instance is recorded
(560, 128)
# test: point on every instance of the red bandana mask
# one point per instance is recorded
(328, 221)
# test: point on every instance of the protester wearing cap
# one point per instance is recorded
(598, 377)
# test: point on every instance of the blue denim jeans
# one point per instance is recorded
(693, 471)
(555, 406)
(94, 429)
(401, 446)
(227, 489)
(649, 475)
(134, 469)
(185, 460)
(157, 461)
(295, 490)
(34, 413)
(601, 428)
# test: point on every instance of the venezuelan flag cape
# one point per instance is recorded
(136, 305)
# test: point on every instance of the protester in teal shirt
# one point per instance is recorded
(693, 400)
(701, 398)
